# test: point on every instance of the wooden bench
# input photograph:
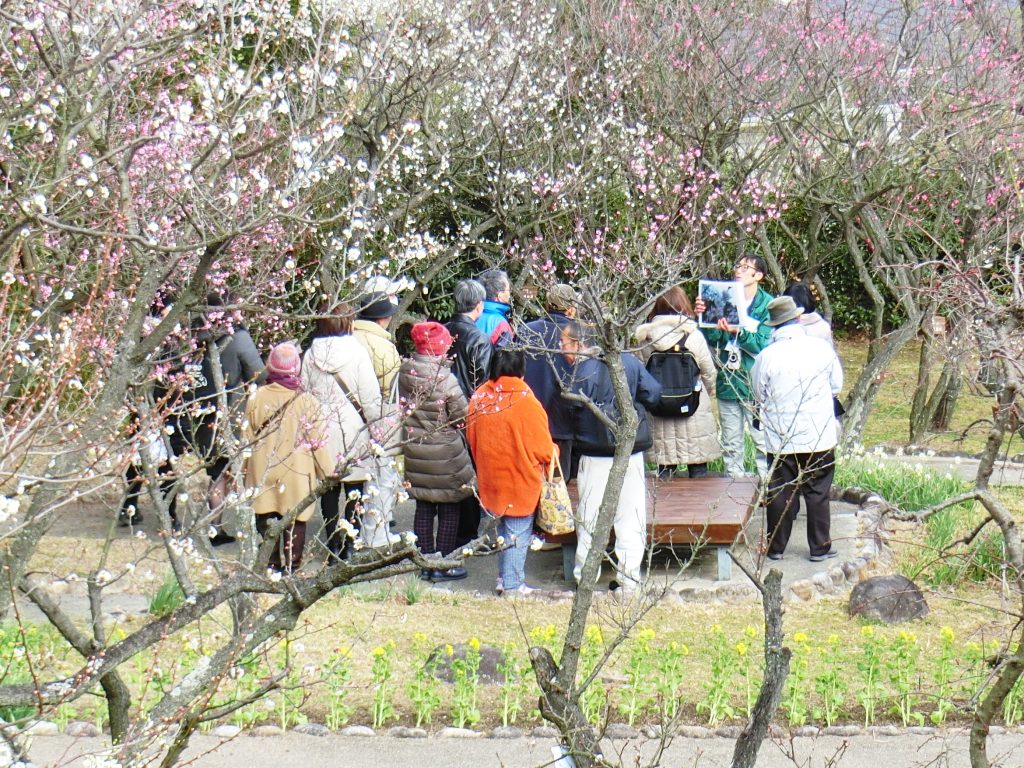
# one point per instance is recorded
(705, 511)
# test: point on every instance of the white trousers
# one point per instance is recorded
(630, 515)
(382, 489)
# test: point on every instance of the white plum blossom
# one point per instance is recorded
(8, 508)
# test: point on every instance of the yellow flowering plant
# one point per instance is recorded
(465, 691)
(381, 673)
(423, 688)
(869, 668)
(901, 665)
(337, 675)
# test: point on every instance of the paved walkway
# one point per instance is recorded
(1005, 473)
(691, 577)
(948, 749)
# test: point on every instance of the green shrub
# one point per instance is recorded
(167, 599)
(909, 486)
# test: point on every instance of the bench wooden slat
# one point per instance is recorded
(685, 510)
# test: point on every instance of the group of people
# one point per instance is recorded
(481, 409)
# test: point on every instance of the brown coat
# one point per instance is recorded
(683, 441)
(437, 464)
(289, 452)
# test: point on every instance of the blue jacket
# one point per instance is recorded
(493, 321)
(592, 378)
(546, 368)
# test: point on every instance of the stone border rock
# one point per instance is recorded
(871, 542)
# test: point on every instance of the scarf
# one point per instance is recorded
(289, 380)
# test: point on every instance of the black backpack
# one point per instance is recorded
(679, 375)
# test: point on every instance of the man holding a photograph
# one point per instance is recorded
(736, 347)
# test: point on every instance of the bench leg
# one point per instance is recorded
(724, 564)
(568, 560)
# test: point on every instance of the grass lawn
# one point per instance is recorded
(889, 422)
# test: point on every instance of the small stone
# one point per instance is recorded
(694, 732)
(843, 730)
(506, 732)
(838, 576)
(357, 730)
(312, 729)
(868, 551)
(263, 731)
(405, 732)
(544, 732)
(620, 731)
(806, 731)
(41, 728)
(822, 582)
(851, 569)
(226, 731)
(777, 731)
(802, 589)
(996, 730)
(459, 733)
(655, 731)
(926, 730)
(883, 730)
(728, 732)
(80, 729)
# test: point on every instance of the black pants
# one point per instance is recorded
(199, 436)
(287, 555)
(568, 459)
(135, 480)
(795, 475)
(469, 521)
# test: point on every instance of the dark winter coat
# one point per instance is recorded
(472, 351)
(240, 364)
(546, 368)
(437, 463)
(592, 378)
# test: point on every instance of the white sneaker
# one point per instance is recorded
(521, 591)
(499, 586)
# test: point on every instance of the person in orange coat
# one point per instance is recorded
(508, 435)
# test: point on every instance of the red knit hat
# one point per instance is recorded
(285, 359)
(431, 338)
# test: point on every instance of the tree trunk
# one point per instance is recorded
(919, 417)
(1004, 421)
(861, 398)
(776, 668)
(119, 700)
(559, 702)
(944, 397)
